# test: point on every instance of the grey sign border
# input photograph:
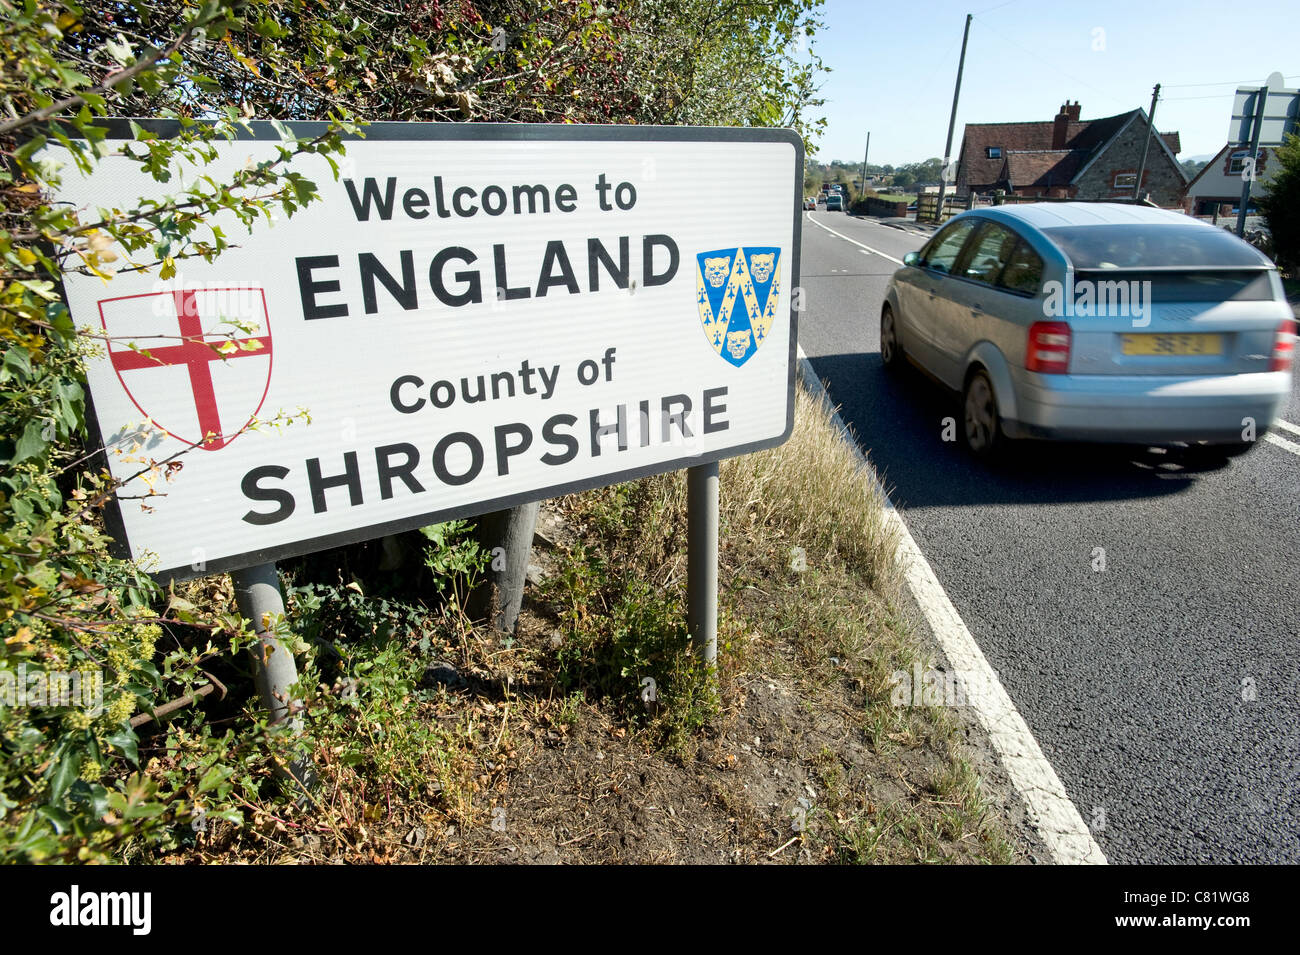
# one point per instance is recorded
(261, 130)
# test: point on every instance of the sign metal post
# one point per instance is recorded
(257, 593)
(507, 538)
(702, 559)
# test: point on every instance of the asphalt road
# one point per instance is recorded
(1133, 679)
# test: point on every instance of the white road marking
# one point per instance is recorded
(1283, 443)
(1050, 810)
(1288, 426)
(860, 245)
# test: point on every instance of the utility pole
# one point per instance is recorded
(1248, 169)
(952, 121)
(1146, 144)
(864, 164)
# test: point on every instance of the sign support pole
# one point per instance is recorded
(507, 536)
(1260, 99)
(258, 596)
(702, 559)
(257, 593)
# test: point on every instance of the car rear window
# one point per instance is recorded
(1218, 286)
(1132, 246)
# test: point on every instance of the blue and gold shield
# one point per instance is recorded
(738, 291)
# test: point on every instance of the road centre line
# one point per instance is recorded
(854, 241)
(1049, 807)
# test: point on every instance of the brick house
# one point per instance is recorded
(1068, 157)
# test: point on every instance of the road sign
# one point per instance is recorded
(1281, 116)
(472, 316)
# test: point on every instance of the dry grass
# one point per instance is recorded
(809, 491)
(561, 736)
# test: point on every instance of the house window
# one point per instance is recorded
(1125, 180)
(993, 152)
(1237, 161)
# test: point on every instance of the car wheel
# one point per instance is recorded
(891, 350)
(981, 423)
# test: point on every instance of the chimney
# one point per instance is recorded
(1060, 125)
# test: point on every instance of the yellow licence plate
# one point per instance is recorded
(1181, 344)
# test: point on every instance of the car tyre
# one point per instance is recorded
(891, 349)
(981, 422)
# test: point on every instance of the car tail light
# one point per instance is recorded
(1048, 348)
(1283, 347)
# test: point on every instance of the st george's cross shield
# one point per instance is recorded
(212, 344)
(738, 291)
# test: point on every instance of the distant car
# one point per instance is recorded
(911, 207)
(1095, 322)
(810, 203)
(821, 200)
(834, 202)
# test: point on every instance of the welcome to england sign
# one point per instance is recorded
(473, 316)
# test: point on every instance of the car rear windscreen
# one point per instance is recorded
(1128, 246)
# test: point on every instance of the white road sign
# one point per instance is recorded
(473, 316)
(1281, 115)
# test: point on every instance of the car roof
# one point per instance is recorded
(1041, 216)
(1049, 215)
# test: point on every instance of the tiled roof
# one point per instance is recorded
(1010, 137)
(1044, 167)
(1027, 154)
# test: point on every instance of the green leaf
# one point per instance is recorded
(214, 777)
(24, 152)
(17, 359)
(64, 773)
(125, 740)
(32, 444)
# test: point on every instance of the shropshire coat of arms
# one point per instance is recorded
(738, 290)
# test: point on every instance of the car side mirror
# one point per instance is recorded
(912, 258)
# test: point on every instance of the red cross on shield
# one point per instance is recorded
(182, 373)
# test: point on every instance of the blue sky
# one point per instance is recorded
(893, 67)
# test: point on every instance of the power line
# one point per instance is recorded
(1171, 99)
(991, 9)
(1226, 83)
(1073, 79)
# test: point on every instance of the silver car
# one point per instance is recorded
(1095, 322)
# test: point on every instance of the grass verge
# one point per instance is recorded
(594, 733)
